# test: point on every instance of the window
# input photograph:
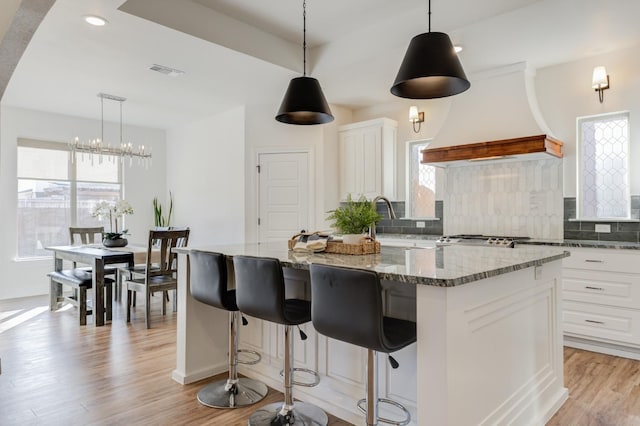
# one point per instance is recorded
(55, 193)
(603, 167)
(421, 183)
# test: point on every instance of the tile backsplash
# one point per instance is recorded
(519, 198)
(628, 231)
(408, 226)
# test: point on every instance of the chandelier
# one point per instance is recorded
(98, 150)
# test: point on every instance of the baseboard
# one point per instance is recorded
(555, 406)
(602, 347)
(185, 379)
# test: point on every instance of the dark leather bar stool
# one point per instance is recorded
(346, 305)
(261, 294)
(208, 281)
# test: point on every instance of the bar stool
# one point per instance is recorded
(261, 294)
(208, 281)
(346, 305)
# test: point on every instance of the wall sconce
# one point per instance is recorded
(600, 81)
(416, 116)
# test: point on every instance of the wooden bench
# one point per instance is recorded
(79, 280)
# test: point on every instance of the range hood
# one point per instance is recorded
(533, 147)
(498, 118)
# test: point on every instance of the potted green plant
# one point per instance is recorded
(158, 218)
(353, 218)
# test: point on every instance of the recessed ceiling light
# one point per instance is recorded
(458, 49)
(97, 21)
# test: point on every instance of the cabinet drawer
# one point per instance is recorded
(602, 322)
(604, 260)
(606, 288)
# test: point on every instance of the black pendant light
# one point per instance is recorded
(430, 68)
(304, 103)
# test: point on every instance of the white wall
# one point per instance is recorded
(26, 278)
(206, 175)
(263, 132)
(331, 167)
(564, 93)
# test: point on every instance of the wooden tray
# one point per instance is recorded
(365, 247)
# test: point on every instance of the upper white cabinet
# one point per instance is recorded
(368, 159)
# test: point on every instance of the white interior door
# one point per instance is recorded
(283, 192)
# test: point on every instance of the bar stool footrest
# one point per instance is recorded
(315, 375)
(403, 422)
(251, 361)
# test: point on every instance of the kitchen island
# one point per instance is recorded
(489, 342)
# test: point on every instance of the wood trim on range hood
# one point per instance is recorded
(494, 149)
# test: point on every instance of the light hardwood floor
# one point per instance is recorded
(603, 390)
(56, 372)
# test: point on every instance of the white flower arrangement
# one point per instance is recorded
(114, 211)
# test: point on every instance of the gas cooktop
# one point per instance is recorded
(479, 240)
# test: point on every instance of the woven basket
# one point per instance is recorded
(365, 247)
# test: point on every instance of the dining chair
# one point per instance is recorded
(138, 270)
(161, 276)
(87, 235)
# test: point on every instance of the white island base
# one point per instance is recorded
(488, 352)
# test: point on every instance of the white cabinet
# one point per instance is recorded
(368, 159)
(601, 295)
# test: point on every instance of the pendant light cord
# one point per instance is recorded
(429, 15)
(120, 123)
(304, 36)
(102, 118)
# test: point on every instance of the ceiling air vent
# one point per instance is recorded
(171, 72)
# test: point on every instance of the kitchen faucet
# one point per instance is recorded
(392, 214)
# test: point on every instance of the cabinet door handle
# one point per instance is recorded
(594, 261)
(594, 322)
(594, 288)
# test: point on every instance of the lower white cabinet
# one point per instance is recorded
(601, 300)
(342, 366)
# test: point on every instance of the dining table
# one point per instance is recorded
(97, 256)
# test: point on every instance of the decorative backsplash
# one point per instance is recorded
(628, 231)
(408, 226)
(539, 212)
(519, 198)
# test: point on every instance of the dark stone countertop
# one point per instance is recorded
(447, 266)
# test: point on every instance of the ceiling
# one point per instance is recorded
(238, 52)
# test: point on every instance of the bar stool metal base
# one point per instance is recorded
(220, 394)
(303, 414)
